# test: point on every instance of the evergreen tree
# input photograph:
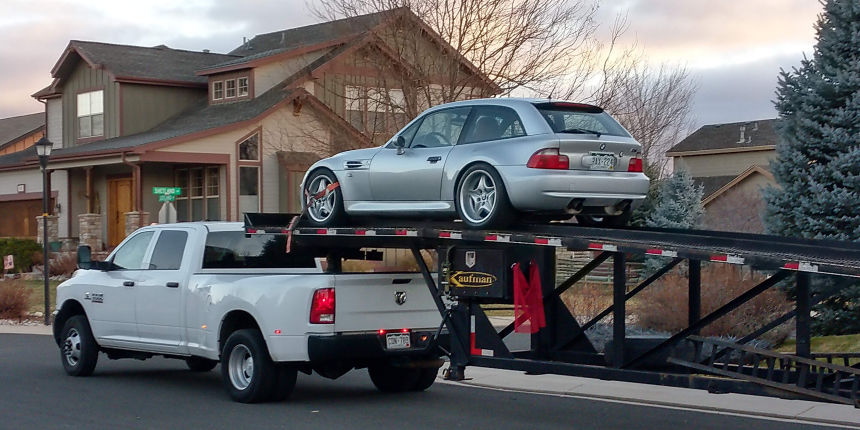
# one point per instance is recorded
(818, 155)
(679, 203)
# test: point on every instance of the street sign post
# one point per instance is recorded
(167, 195)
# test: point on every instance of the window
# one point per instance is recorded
(440, 128)
(236, 250)
(243, 87)
(91, 119)
(249, 149)
(130, 255)
(375, 110)
(217, 90)
(231, 88)
(168, 251)
(573, 118)
(493, 123)
(200, 198)
(249, 189)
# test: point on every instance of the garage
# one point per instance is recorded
(18, 215)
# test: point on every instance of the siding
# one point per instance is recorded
(32, 180)
(145, 106)
(85, 79)
(55, 121)
(269, 75)
(22, 144)
(723, 164)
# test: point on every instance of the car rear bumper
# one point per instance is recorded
(553, 190)
(368, 346)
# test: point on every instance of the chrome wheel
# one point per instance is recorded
(321, 209)
(72, 347)
(241, 367)
(477, 196)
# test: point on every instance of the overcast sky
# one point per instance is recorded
(733, 48)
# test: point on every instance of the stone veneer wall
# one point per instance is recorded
(91, 231)
(53, 227)
(134, 221)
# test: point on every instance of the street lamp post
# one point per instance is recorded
(43, 149)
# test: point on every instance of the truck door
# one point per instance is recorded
(159, 294)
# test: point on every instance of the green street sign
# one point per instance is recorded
(167, 191)
(166, 198)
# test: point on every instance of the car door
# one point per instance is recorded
(415, 173)
(159, 293)
(112, 292)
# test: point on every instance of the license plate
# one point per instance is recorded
(397, 341)
(602, 161)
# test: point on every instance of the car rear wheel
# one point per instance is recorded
(482, 200)
(326, 208)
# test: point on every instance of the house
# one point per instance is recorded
(21, 204)
(731, 163)
(235, 132)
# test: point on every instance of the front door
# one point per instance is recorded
(120, 195)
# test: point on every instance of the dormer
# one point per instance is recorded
(234, 86)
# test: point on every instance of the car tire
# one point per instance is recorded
(79, 351)
(605, 221)
(200, 364)
(329, 210)
(392, 379)
(479, 186)
(426, 378)
(285, 382)
(248, 372)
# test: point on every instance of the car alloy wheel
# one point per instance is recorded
(241, 367)
(321, 209)
(478, 196)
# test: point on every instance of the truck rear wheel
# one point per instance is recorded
(426, 378)
(78, 349)
(247, 370)
(392, 379)
(285, 382)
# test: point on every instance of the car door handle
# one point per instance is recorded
(173, 285)
(434, 159)
(128, 284)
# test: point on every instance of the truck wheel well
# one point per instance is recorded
(235, 320)
(69, 309)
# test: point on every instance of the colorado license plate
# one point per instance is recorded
(602, 161)
(397, 341)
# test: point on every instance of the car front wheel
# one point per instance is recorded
(324, 199)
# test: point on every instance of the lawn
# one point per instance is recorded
(37, 294)
(845, 343)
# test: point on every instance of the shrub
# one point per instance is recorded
(664, 306)
(14, 299)
(64, 264)
(26, 251)
(586, 300)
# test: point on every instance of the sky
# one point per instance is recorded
(733, 49)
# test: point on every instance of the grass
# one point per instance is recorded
(845, 343)
(37, 294)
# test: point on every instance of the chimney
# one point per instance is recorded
(205, 51)
(743, 130)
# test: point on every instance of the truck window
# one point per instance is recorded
(168, 251)
(130, 255)
(236, 250)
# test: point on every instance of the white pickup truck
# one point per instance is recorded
(209, 293)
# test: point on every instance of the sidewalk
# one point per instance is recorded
(645, 394)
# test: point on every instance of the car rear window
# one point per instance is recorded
(578, 118)
(237, 250)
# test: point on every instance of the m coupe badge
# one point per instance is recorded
(471, 259)
(400, 297)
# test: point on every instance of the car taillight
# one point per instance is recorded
(635, 165)
(322, 306)
(548, 158)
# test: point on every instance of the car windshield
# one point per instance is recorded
(580, 119)
(237, 250)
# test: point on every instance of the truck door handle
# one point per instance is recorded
(173, 285)
(434, 159)
(128, 284)
(401, 281)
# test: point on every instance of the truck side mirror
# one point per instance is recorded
(85, 257)
(400, 144)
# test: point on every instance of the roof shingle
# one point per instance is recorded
(728, 136)
(16, 127)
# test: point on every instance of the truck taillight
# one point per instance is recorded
(322, 306)
(635, 165)
(548, 158)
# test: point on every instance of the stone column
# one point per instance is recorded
(91, 231)
(53, 226)
(135, 220)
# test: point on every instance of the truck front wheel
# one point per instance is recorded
(78, 349)
(247, 370)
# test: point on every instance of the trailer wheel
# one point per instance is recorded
(391, 379)
(247, 370)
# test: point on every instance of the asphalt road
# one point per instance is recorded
(35, 393)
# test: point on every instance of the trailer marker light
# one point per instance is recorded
(381, 332)
(322, 231)
(360, 232)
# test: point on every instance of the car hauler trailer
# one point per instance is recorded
(476, 268)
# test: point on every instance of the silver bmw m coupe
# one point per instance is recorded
(488, 162)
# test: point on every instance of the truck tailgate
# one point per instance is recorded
(372, 301)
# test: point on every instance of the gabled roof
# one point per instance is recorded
(710, 184)
(158, 64)
(16, 127)
(761, 170)
(727, 137)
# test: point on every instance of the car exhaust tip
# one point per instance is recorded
(575, 206)
(618, 208)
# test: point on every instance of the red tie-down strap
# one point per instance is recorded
(309, 199)
(528, 300)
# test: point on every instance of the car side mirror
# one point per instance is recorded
(400, 144)
(85, 257)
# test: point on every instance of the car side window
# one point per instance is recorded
(130, 255)
(493, 123)
(441, 128)
(168, 251)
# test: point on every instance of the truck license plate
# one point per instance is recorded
(397, 341)
(602, 161)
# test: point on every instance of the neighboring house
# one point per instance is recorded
(731, 162)
(20, 207)
(236, 132)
